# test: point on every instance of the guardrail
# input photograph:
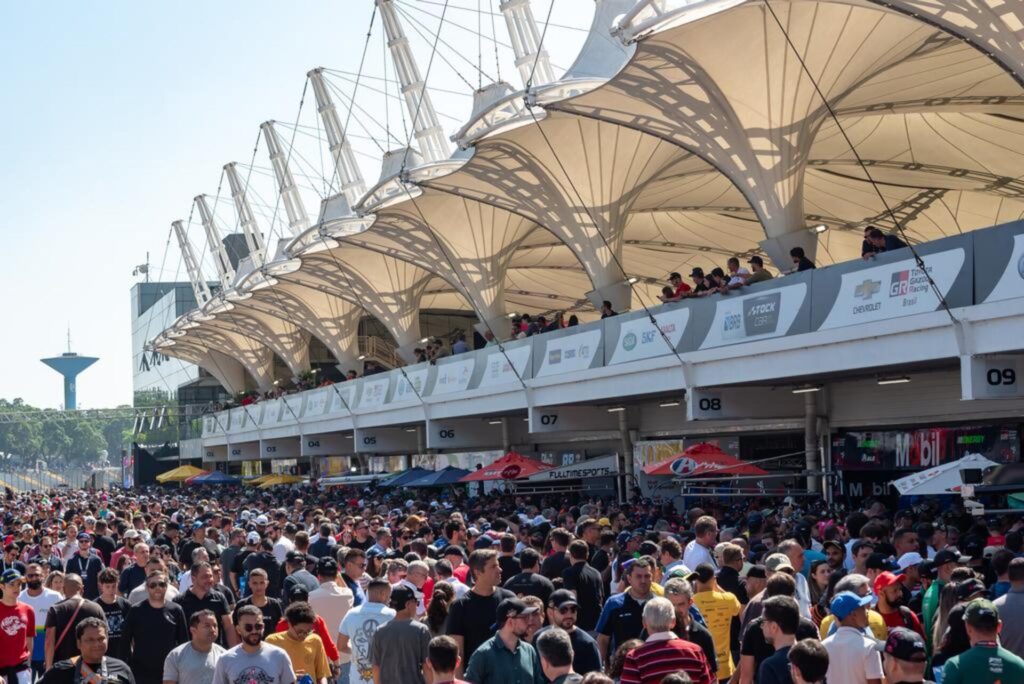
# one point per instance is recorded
(978, 267)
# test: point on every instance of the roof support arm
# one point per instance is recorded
(220, 255)
(195, 275)
(531, 58)
(253, 237)
(349, 176)
(298, 220)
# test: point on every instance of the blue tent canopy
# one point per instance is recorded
(439, 478)
(407, 476)
(216, 477)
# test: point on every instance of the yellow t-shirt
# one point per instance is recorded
(876, 623)
(719, 608)
(307, 656)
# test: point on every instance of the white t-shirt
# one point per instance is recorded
(736, 279)
(269, 665)
(852, 657)
(460, 588)
(40, 605)
(359, 625)
(281, 548)
(187, 665)
(695, 554)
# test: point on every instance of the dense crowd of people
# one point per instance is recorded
(234, 586)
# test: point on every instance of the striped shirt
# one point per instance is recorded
(663, 654)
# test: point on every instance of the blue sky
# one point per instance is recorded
(115, 114)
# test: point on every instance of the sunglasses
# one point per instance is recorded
(258, 627)
(154, 585)
(565, 610)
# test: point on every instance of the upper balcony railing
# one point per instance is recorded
(974, 268)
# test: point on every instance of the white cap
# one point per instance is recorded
(252, 538)
(409, 503)
(539, 520)
(262, 520)
(909, 559)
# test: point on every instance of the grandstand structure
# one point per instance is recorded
(684, 133)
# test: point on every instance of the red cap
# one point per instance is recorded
(885, 579)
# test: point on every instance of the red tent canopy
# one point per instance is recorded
(703, 459)
(511, 466)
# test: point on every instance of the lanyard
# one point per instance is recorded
(86, 675)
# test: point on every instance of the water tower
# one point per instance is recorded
(69, 364)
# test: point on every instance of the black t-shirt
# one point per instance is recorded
(116, 613)
(265, 560)
(585, 655)
(586, 582)
(698, 634)
(149, 635)
(472, 617)
(89, 569)
(131, 577)
(554, 564)
(105, 545)
(754, 644)
(599, 559)
(117, 672)
(362, 545)
(530, 584)
(238, 564)
(509, 566)
(214, 600)
(775, 668)
(272, 613)
(59, 616)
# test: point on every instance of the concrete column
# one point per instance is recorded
(812, 462)
(627, 456)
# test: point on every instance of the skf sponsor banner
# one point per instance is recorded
(328, 444)
(467, 433)
(411, 385)
(454, 375)
(271, 412)
(343, 396)
(1011, 282)
(567, 353)
(602, 466)
(755, 316)
(245, 451)
(742, 403)
(993, 377)
(925, 448)
(570, 419)
(279, 448)
(505, 368)
(896, 289)
(318, 401)
(640, 339)
(385, 440)
(374, 392)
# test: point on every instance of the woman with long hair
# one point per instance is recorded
(619, 659)
(820, 574)
(55, 581)
(437, 611)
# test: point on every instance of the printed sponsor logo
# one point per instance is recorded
(683, 466)
(761, 314)
(511, 472)
(868, 289)
(629, 341)
(554, 356)
(1020, 267)
(900, 284)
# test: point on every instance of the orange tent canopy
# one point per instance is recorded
(511, 466)
(703, 459)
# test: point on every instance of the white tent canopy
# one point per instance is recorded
(942, 479)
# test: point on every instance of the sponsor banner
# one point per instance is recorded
(374, 392)
(246, 451)
(640, 339)
(279, 448)
(505, 368)
(291, 408)
(328, 444)
(454, 376)
(602, 466)
(271, 412)
(892, 290)
(318, 401)
(211, 423)
(343, 397)
(467, 433)
(239, 418)
(568, 353)
(925, 448)
(411, 385)
(756, 316)
(1011, 282)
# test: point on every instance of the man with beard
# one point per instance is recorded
(889, 590)
(39, 599)
(252, 660)
(201, 596)
(471, 618)
(562, 610)
(506, 658)
(835, 554)
(152, 629)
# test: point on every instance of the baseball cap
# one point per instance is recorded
(946, 556)
(84, 536)
(756, 260)
(295, 557)
(845, 602)
(401, 595)
(262, 520)
(298, 593)
(509, 608)
(702, 573)
(757, 572)
(197, 524)
(604, 522)
(252, 538)
(482, 542)
(879, 561)
(10, 575)
(562, 597)
(909, 560)
(974, 547)
(698, 271)
(905, 644)
(453, 550)
(131, 533)
(982, 614)
(885, 579)
(777, 562)
(968, 588)
(833, 544)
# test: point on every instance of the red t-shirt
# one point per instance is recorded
(903, 618)
(682, 288)
(17, 627)
(462, 572)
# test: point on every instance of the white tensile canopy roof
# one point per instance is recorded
(705, 137)
(942, 479)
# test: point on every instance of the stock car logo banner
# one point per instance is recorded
(755, 317)
(900, 288)
(1011, 283)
